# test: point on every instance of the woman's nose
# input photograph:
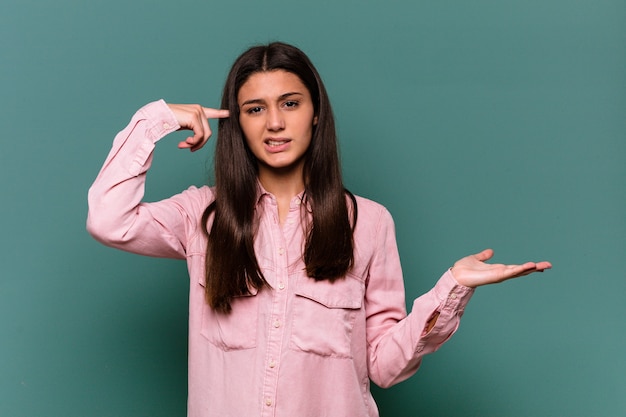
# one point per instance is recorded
(275, 120)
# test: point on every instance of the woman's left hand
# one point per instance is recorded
(472, 271)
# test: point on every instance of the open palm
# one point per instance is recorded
(472, 271)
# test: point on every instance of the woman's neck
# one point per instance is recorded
(284, 186)
(282, 183)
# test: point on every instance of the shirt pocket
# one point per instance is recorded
(236, 330)
(324, 313)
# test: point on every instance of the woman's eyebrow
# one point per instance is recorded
(287, 95)
(261, 101)
(253, 101)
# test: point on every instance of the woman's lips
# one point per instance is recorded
(275, 145)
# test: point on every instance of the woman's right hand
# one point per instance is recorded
(195, 118)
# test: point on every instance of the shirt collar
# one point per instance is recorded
(262, 193)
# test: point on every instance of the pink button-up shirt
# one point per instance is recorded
(302, 348)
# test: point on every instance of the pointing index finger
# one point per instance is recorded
(210, 113)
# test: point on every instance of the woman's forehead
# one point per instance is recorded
(271, 85)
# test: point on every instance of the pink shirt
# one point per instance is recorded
(302, 348)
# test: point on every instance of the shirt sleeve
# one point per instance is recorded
(117, 217)
(397, 342)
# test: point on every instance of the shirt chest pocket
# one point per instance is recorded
(236, 330)
(324, 314)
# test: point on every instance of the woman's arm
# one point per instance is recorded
(397, 342)
(117, 216)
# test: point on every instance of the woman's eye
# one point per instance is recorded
(291, 104)
(253, 110)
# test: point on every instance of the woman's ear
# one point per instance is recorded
(315, 121)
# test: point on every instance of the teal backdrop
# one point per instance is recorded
(477, 123)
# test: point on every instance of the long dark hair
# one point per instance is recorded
(231, 265)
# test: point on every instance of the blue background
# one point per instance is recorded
(478, 124)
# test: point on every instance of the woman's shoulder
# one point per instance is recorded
(374, 226)
(371, 212)
(195, 198)
(367, 204)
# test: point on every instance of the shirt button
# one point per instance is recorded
(166, 125)
(281, 286)
(281, 251)
(272, 364)
(277, 324)
(268, 402)
(453, 296)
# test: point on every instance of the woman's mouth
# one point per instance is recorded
(276, 142)
(276, 145)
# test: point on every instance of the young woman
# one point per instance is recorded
(296, 296)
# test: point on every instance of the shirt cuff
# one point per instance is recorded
(160, 118)
(159, 121)
(451, 294)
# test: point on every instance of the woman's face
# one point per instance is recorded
(277, 116)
